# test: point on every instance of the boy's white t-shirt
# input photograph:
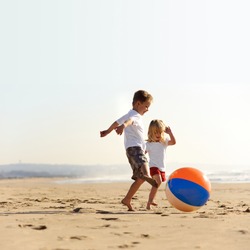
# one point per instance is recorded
(133, 134)
(157, 154)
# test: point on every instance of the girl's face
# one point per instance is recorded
(157, 135)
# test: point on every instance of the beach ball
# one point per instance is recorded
(188, 189)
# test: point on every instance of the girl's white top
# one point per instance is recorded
(133, 134)
(157, 154)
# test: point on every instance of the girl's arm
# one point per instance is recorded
(172, 140)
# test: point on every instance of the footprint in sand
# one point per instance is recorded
(145, 236)
(39, 227)
(106, 225)
(110, 218)
(247, 210)
(77, 210)
(243, 231)
(81, 237)
(127, 232)
(83, 210)
(103, 212)
(129, 246)
(124, 246)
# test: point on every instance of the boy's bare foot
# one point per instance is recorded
(130, 208)
(151, 181)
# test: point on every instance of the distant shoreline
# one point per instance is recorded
(73, 180)
(103, 173)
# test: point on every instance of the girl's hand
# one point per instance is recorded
(168, 130)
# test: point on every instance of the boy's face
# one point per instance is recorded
(142, 107)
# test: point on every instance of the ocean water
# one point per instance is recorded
(105, 174)
(229, 176)
(214, 177)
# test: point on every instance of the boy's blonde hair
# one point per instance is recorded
(156, 125)
(142, 96)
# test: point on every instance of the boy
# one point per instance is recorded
(134, 142)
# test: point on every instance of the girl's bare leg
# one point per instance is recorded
(153, 192)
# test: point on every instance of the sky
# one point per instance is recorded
(68, 69)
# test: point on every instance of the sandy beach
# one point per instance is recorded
(46, 215)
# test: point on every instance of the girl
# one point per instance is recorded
(156, 146)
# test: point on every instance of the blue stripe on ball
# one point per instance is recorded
(188, 192)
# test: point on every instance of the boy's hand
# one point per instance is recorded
(109, 130)
(104, 133)
(119, 129)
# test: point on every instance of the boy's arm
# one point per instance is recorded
(172, 140)
(113, 126)
(119, 129)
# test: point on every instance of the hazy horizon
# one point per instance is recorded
(170, 166)
(108, 173)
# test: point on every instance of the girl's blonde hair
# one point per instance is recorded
(158, 126)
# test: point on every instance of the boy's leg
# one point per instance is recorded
(139, 164)
(146, 176)
(131, 192)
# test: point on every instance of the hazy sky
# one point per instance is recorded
(68, 69)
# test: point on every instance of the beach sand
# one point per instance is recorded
(43, 214)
